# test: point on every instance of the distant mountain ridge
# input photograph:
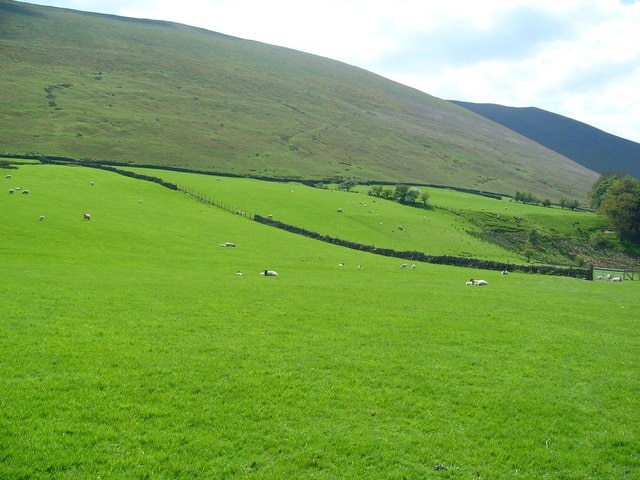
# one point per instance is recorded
(595, 149)
(103, 87)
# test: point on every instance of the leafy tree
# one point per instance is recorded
(601, 188)
(546, 202)
(375, 191)
(572, 204)
(347, 185)
(411, 196)
(526, 197)
(622, 206)
(388, 193)
(401, 192)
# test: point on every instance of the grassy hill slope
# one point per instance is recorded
(456, 224)
(597, 150)
(111, 88)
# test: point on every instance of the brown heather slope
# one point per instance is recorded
(145, 92)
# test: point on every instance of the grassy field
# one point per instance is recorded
(452, 225)
(131, 348)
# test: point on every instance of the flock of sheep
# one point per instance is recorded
(610, 277)
(273, 273)
(41, 218)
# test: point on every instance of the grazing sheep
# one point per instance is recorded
(400, 227)
(41, 218)
(470, 282)
(87, 216)
(340, 210)
(600, 277)
(341, 264)
(404, 265)
(616, 279)
(25, 192)
(11, 190)
(92, 183)
(480, 282)
(227, 244)
(239, 273)
(270, 216)
(610, 276)
(359, 267)
(8, 176)
(504, 272)
(269, 273)
(413, 267)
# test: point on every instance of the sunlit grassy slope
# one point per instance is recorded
(452, 224)
(131, 348)
(109, 88)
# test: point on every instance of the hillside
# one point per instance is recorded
(597, 150)
(146, 92)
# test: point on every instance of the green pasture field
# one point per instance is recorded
(444, 229)
(364, 219)
(131, 349)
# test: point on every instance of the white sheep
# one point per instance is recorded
(11, 190)
(413, 267)
(616, 279)
(41, 218)
(340, 210)
(470, 282)
(480, 282)
(25, 192)
(269, 273)
(504, 272)
(87, 216)
(227, 244)
(404, 265)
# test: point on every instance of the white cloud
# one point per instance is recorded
(579, 58)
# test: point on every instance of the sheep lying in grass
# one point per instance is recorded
(269, 273)
(227, 244)
(473, 281)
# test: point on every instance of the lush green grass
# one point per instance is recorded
(456, 223)
(131, 349)
(108, 88)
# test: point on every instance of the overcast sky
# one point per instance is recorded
(578, 58)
